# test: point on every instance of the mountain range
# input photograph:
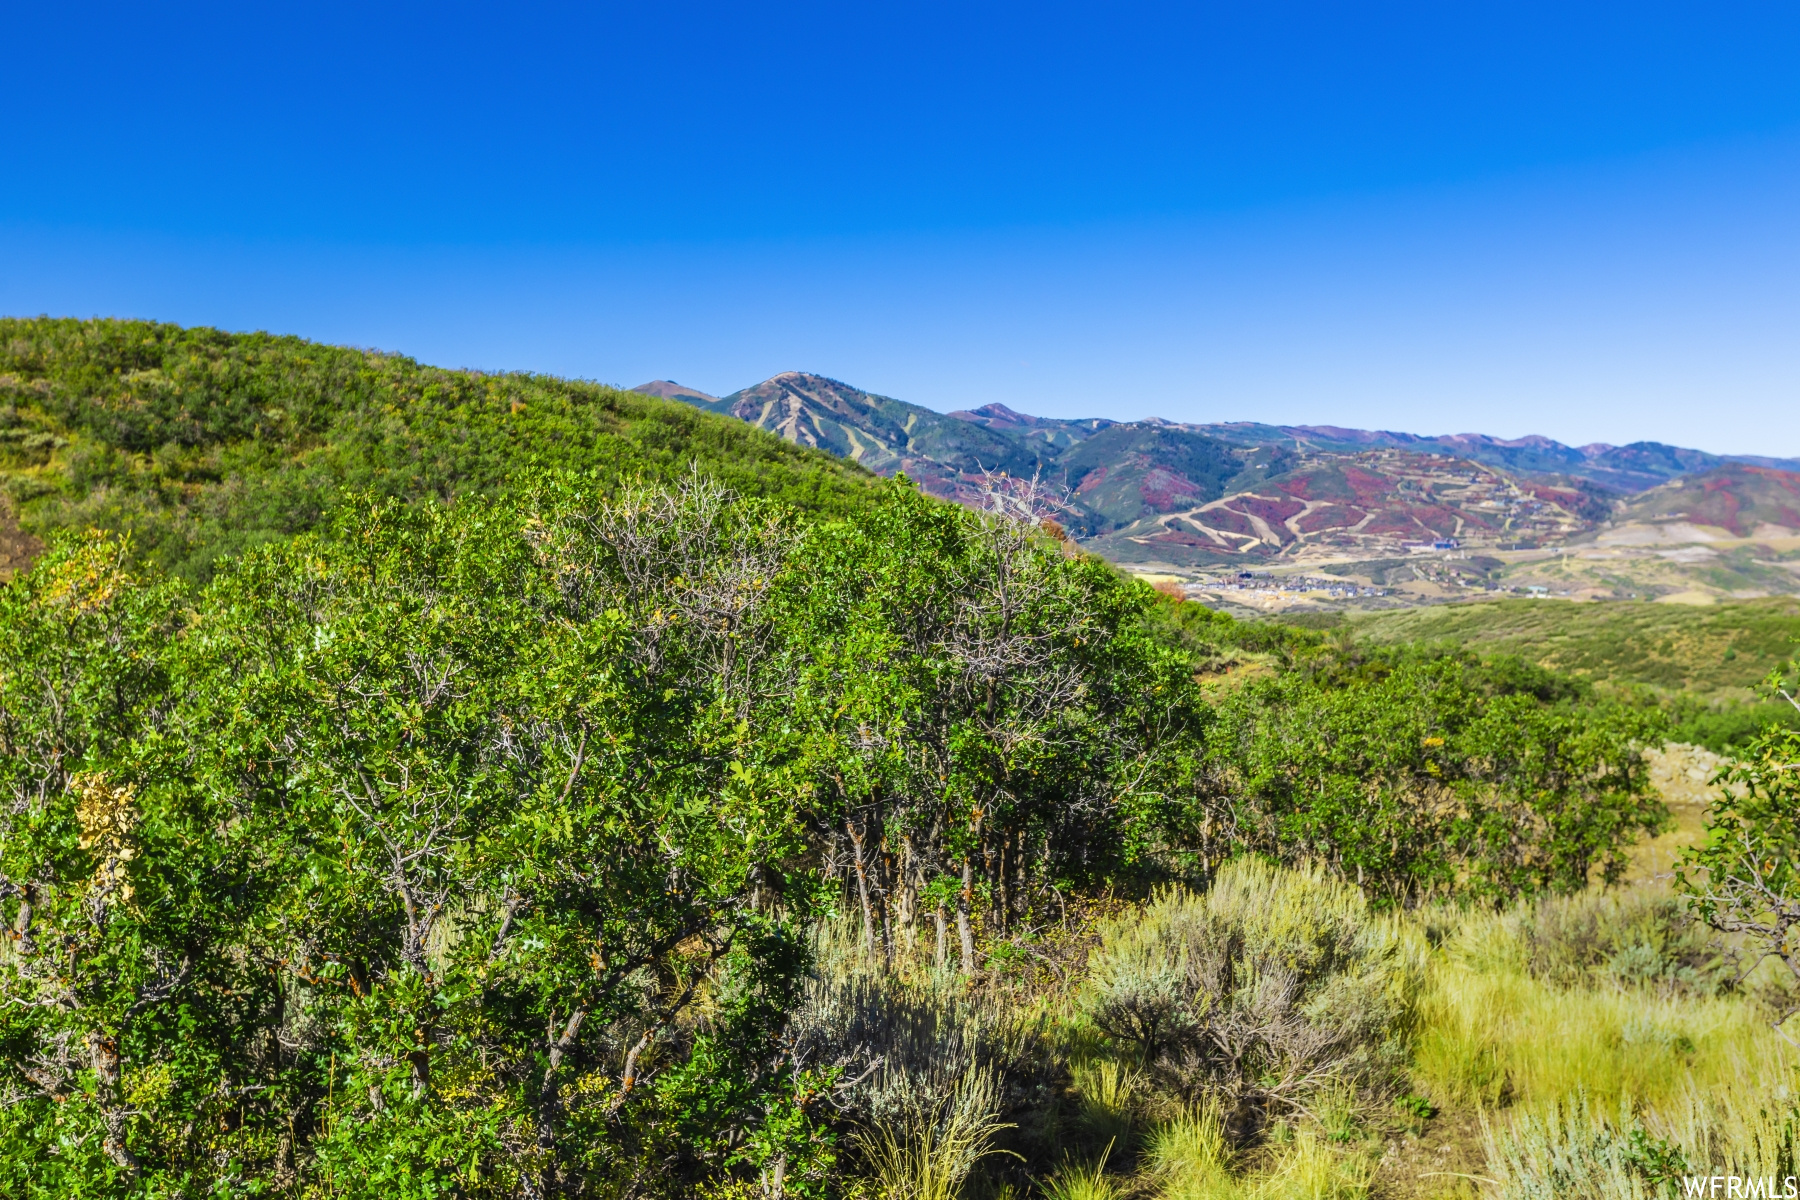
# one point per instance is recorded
(1208, 494)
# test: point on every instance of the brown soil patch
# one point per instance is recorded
(1433, 1161)
(18, 549)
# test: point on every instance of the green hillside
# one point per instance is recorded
(1715, 651)
(1703, 662)
(201, 443)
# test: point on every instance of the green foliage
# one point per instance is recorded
(1701, 662)
(1212, 639)
(1421, 776)
(117, 890)
(204, 444)
(1745, 878)
(440, 858)
(471, 848)
(1007, 724)
(1725, 728)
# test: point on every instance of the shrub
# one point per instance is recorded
(1633, 938)
(1745, 879)
(1270, 988)
(903, 1049)
(1570, 1150)
(1749, 1128)
(1424, 778)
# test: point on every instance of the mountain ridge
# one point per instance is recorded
(1158, 494)
(1631, 467)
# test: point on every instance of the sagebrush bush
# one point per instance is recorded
(1745, 1122)
(1636, 938)
(1272, 987)
(1569, 1149)
(903, 1047)
(932, 1078)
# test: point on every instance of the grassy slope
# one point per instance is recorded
(1721, 650)
(202, 443)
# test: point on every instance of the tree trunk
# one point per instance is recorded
(909, 898)
(1022, 878)
(862, 886)
(964, 930)
(549, 1098)
(1003, 893)
(103, 1057)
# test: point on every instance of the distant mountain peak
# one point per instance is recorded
(995, 411)
(808, 379)
(1531, 441)
(668, 389)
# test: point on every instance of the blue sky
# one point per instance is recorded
(1576, 220)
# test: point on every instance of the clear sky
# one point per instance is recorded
(1581, 220)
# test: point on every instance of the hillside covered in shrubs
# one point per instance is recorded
(636, 829)
(201, 443)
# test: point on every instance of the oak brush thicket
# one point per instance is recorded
(420, 783)
(202, 444)
(472, 848)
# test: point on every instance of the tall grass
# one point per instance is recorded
(1109, 1093)
(1492, 1033)
(1590, 1038)
(1573, 1147)
(1308, 1168)
(1089, 1182)
(1591, 1034)
(930, 1156)
(1190, 1157)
